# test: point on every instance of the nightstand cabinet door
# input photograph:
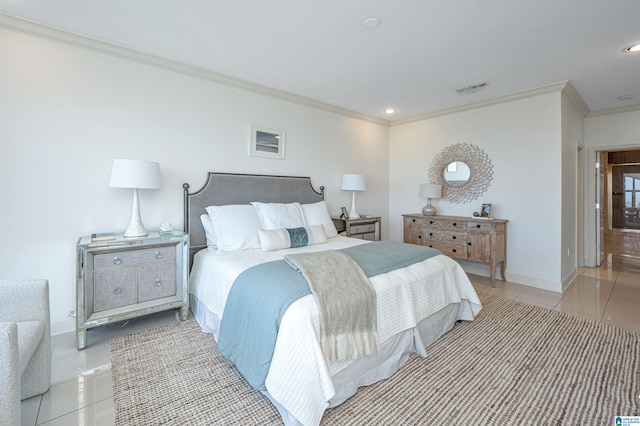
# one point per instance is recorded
(156, 280)
(113, 288)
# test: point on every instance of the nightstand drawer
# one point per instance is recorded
(114, 288)
(132, 257)
(360, 229)
(156, 280)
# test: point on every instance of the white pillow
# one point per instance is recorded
(235, 226)
(318, 214)
(279, 215)
(209, 231)
(278, 239)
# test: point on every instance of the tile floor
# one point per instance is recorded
(82, 394)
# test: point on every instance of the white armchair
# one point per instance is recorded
(25, 344)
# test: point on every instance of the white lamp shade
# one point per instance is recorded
(135, 174)
(353, 182)
(430, 190)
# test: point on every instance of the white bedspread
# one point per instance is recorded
(299, 377)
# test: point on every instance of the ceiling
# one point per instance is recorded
(421, 52)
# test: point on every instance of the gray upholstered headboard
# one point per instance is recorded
(229, 188)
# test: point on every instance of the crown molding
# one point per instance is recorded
(556, 87)
(577, 100)
(631, 108)
(35, 29)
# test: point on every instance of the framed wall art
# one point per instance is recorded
(266, 142)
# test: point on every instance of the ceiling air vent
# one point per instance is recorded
(471, 89)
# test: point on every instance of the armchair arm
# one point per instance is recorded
(9, 375)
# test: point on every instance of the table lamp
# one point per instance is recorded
(136, 174)
(430, 190)
(353, 182)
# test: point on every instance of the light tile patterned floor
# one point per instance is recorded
(82, 394)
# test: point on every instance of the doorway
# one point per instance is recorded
(620, 213)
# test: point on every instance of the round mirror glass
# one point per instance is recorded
(456, 173)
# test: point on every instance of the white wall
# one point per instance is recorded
(572, 137)
(523, 140)
(66, 112)
(602, 132)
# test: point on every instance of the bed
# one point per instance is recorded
(415, 304)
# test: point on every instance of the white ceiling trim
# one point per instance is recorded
(614, 111)
(21, 25)
(16, 24)
(556, 87)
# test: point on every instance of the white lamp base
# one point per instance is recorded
(136, 228)
(429, 210)
(353, 214)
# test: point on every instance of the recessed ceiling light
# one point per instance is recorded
(390, 111)
(633, 48)
(371, 23)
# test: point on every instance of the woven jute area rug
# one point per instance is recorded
(515, 364)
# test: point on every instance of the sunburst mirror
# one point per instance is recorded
(464, 171)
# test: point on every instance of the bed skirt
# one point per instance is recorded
(367, 370)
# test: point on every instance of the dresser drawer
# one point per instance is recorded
(132, 257)
(444, 223)
(156, 280)
(114, 288)
(451, 237)
(480, 226)
(451, 250)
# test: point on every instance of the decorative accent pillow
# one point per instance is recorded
(278, 239)
(207, 224)
(318, 214)
(279, 215)
(235, 226)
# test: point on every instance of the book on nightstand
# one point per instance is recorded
(107, 236)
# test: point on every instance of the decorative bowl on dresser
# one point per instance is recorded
(473, 239)
(124, 278)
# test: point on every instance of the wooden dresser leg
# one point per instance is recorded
(493, 274)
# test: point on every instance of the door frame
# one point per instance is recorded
(593, 243)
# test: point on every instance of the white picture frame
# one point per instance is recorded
(266, 142)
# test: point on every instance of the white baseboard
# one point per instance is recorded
(63, 326)
(484, 271)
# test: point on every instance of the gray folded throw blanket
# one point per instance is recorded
(346, 300)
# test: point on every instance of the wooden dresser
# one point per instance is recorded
(477, 240)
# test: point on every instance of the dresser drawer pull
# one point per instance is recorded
(478, 226)
(469, 243)
(158, 255)
(430, 222)
(117, 290)
(158, 283)
(454, 237)
(431, 234)
(117, 260)
(454, 250)
(413, 220)
(419, 237)
(455, 224)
